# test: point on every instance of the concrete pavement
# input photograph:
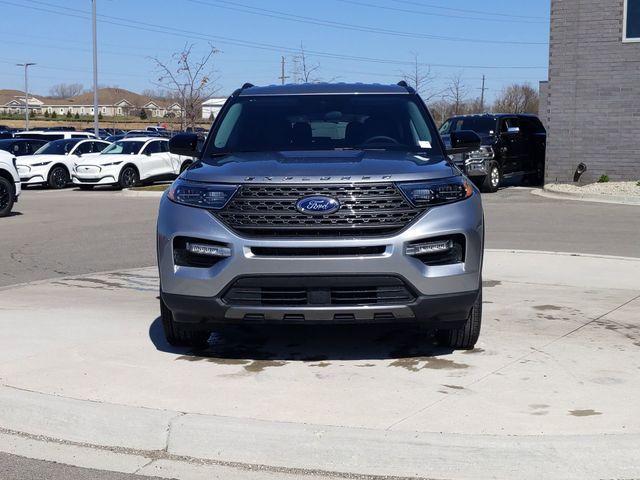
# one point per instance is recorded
(549, 392)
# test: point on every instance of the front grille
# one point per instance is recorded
(318, 291)
(367, 209)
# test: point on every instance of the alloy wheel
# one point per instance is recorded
(129, 177)
(59, 177)
(495, 177)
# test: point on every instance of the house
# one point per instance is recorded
(212, 107)
(111, 102)
(591, 102)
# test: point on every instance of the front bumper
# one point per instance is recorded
(94, 175)
(33, 175)
(442, 293)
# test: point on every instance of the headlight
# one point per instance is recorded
(111, 164)
(201, 195)
(437, 192)
(41, 164)
(483, 153)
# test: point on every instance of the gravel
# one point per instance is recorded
(616, 189)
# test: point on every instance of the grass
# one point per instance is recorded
(152, 188)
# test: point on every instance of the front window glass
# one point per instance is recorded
(485, 125)
(57, 147)
(325, 122)
(123, 148)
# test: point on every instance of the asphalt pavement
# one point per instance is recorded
(60, 233)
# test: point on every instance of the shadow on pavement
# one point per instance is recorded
(308, 343)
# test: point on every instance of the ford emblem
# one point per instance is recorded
(318, 205)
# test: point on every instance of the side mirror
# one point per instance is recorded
(463, 141)
(184, 144)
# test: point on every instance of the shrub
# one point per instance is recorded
(54, 115)
(46, 114)
(77, 116)
(603, 178)
(68, 115)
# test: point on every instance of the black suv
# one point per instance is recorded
(513, 145)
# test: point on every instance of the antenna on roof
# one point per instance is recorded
(247, 85)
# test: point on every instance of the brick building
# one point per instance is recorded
(591, 103)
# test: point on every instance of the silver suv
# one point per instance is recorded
(322, 203)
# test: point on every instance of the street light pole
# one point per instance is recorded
(26, 92)
(96, 126)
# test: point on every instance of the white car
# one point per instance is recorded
(130, 161)
(50, 135)
(9, 183)
(53, 163)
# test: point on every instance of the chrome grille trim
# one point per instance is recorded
(367, 209)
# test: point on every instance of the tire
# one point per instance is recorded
(129, 177)
(178, 336)
(58, 177)
(464, 338)
(85, 187)
(493, 179)
(6, 197)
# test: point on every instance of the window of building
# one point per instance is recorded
(631, 27)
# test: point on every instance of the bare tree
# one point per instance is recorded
(304, 70)
(517, 99)
(191, 80)
(421, 79)
(457, 93)
(66, 90)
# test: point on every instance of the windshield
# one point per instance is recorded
(57, 147)
(124, 148)
(485, 125)
(324, 122)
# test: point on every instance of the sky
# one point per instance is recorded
(351, 40)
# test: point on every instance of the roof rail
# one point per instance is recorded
(405, 85)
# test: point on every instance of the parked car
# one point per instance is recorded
(102, 133)
(512, 146)
(50, 135)
(9, 183)
(6, 132)
(115, 138)
(141, 133)
(129, 161)
(320, 203)
(19, 147)
(53, 163)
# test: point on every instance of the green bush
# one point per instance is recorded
(603, 178)
(77, 116)
(54, 115)
(46, 114)
(68, 115)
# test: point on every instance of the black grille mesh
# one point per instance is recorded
(270, 210)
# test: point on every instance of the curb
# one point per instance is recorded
(549, 192)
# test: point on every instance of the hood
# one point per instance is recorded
(321, 166)
(98, 159)
(31, 159)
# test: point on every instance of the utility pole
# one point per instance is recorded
(282, 76)
(26, 92)
(482, 95)
(96, 126)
